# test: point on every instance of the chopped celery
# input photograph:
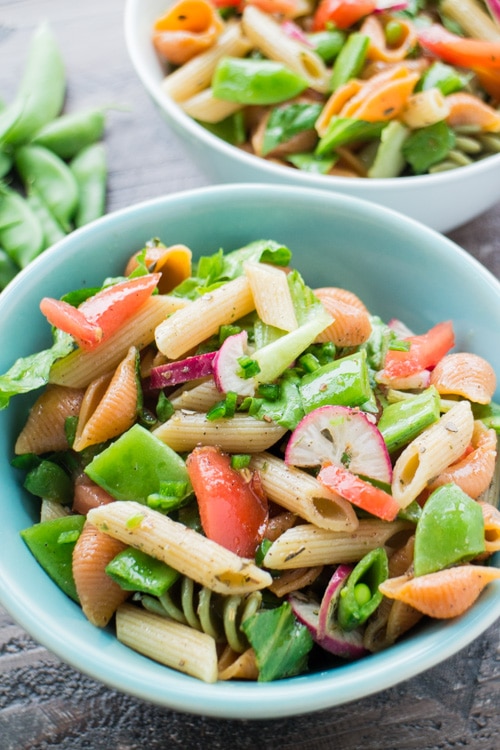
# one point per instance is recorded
(274, 358)
(389, 160)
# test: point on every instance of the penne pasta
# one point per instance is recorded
(240, 434)
(307, 545)
(266, 34)
(177, 545)
(431, 452)
(184, 329)
(80, 367)
(168, 642)
(271, 294)
(301, 493)
(200, 397)
(425, 108)
(205, 107)
(196, 75)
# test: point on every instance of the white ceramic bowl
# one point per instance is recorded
(354, 244)
(442, 201)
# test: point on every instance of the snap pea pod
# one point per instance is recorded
(40, 96)
(350, 59)
(134, 570)
(249, 81)
(52, 178)
(360, 597)
(68, 134)
(90, 172)
(8, 269)
(344, 381)
(52, 230)
(404, 420)
(21, 235)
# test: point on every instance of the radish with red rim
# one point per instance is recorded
(343, 436)
(227, 367)
(182, 370)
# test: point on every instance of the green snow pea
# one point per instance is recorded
(360, 597)
(135, 465)
(343, 130)
(134, 570)
(249, 81)
(90, 172)
(70, 133)
(327, 44)
(427, 146)
(389, 160)
(40, 96)
(450, 530)
(49, 480)
(8, 269)
(52, 543)
(52, 230)
(6, 162)
(50, 176)
(404, 420)
(21, 234)
(350, 59)
(443, 77)
(344, 382)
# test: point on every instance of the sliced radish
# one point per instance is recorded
(226, 366)
(182, 370)
(342, 436)
(319, 619)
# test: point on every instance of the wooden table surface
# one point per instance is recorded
(47, 704)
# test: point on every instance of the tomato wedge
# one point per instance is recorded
(103, 313)
(341, 13)
(425, 352)
(360, 493)
(457, 50)
(233, 510)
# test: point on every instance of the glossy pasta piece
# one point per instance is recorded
(188, 28)
(491, 517)
(168, 642)
(351, 321)
(174, 263)
(445, 594)
(109, 406)
(465, 374)
(99, 595)
(87, 494)
(474, 472)
(44, 429)
(272, 297)
(425, 108)
(467, 109)
(432, 452)
(235, 666)
(379, 49)
(383, 97)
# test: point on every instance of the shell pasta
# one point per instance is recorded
(247, 471)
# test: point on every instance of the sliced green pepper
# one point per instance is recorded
(249, 81)
(135, 465)
(345, 382)
(450, 530)
(134, 570)
(52, 544)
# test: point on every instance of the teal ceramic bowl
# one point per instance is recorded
(397, 266)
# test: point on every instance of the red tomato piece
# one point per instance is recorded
(457, 50)
(341, 13)
(360, 493)
(233, 510)
(102, 314)
(425, 352)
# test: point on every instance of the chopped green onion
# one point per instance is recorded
(240, 461)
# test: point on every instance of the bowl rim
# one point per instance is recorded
(294, 696)
(132, 12)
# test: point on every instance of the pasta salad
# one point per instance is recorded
(250, 478)
(352, 88)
